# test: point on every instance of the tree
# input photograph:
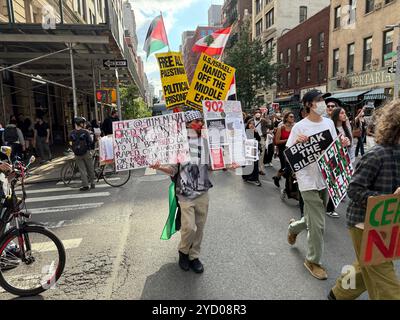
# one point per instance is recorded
(133, 105)
(254, 69)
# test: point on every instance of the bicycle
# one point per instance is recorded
(70, 174)
(32, 258)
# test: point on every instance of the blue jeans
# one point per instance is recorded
(360, 145)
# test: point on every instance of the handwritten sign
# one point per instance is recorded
(139, 143)
(211, 81)
(337, 170)
(173, 78)
(381, 236)
(301, 155)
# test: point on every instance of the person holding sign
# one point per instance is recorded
(311, 184)
(192, 185)
(377, 173)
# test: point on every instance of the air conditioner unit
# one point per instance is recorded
(378, 6)
(368, 66)
(307, 58)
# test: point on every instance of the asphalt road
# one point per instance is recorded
(114, 249)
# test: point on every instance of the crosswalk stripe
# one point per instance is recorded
(78, 181)
(50, 246)
(59, 189)
(73, 207)
(68, 196)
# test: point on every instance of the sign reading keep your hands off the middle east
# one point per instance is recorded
(211, 81)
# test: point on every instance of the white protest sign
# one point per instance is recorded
(138, 143)
(226, 132)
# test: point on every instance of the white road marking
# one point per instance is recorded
(68, 196)
(50, 246)
(72, 207)
(59, 189)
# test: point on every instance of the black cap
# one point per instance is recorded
(337, 101)
(311, 95)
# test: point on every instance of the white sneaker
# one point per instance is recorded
(333, 214)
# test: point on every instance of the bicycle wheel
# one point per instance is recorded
(114, 178)
(41, 267)
(70, 175)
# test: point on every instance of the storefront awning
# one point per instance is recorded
(377, 94)
(284, 99)
(349, 96)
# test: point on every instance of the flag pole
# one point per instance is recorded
(162, 18)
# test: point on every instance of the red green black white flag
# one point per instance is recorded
(156, 38)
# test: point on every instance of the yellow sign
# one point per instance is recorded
(173, 78)
(211, 81)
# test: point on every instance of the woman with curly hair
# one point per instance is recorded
(377, 173)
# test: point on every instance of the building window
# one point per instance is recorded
(303, 13)
(352, 11)
(269, 18)
(298, 51)
(367, 54)
(289, 56)
(309, 46)
(79, 6)
(269, 45)
(350, 58)
(335, 68)
(258, 6)
(387, 44)
(321, 73)
(369, 6)
(337, 17)
(321, 40)
(281, 57)
(258, 28)
(308, 72)
(289, 79)
(297, 76)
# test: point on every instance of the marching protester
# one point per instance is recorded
(42, 139)
(377, 173)
(360, 131)
(269, 141)
(13, 137)
(81, 145)
(252, 133)
(192, 185)
(311, 184)
(281, 138)
(261, 126)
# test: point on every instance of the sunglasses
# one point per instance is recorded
(331, 105)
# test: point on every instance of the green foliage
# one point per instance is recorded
(254, 69)
(133, 106)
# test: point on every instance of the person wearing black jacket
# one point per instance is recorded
(107, 126)
(253, 178)
(81, 145)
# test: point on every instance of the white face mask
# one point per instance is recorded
(321, 108)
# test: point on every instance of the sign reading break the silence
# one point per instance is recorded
(139, 143)
(381, 236)
(173, 78)
(211, 81)
(337, 170)
(301, 155)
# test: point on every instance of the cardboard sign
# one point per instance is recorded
(225, 131)
(301, 155)
(337, 170)
(211, 81)
(140, 143)
(381, 236)
(173, 78)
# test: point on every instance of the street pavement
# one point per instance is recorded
(114, 251)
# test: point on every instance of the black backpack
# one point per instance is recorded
(79, 142)
(11, 135)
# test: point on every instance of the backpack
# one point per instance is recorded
(79, 142)
(11, 135)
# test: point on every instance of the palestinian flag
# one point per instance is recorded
(213, 44)
(156, 38)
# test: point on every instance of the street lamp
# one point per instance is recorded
(397, 78)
